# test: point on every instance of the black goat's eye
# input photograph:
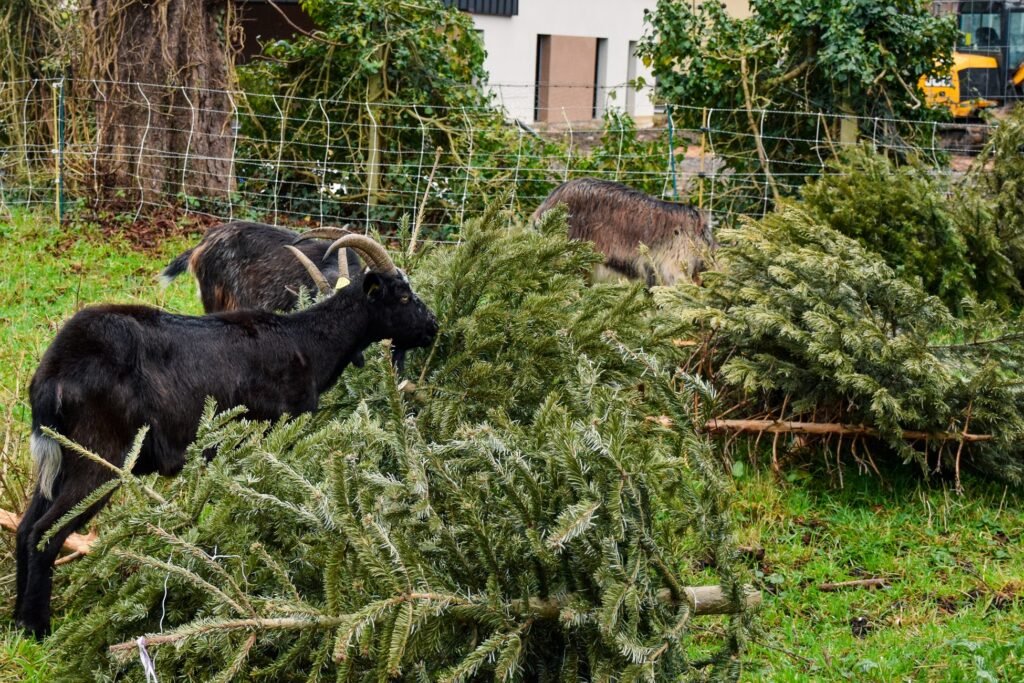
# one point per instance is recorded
(404, 299)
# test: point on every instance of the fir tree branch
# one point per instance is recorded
(123, 474)
(257, 624)
(702, 600)
(1002, 339)
(185, 574)
(207, 561)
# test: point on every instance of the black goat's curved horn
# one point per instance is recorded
(360, 252)
(326, 232)
(376, 256)
(321, 282)
(343, 264)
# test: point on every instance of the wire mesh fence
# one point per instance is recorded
(283, 159)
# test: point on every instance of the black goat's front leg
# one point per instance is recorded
(398, 360)
(35, 566)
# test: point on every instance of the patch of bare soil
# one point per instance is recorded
(147, 232)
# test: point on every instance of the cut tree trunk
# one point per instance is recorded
(825, 428)
(161, 70)
(703, 601)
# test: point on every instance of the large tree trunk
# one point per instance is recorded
(162, 69)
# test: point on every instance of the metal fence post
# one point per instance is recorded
(58, 151)
(672, 153)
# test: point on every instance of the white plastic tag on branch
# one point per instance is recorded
(147, 661)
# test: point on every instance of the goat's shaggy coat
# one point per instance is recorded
(618, 219)
(113, 369)
(241, 265)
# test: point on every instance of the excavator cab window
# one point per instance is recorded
(1015, 39)
(979, 29)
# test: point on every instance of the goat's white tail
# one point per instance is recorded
(175, 268)
(47, 455)
(164, 281)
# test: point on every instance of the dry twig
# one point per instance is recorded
(78, 544)
(859, 583)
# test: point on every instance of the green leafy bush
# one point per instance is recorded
(514, 518)
(810, 326)
(792, 59)
(360, 108)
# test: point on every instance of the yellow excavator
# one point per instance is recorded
(988, 63)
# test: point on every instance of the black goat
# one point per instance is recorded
(241, 265)
(113, 369)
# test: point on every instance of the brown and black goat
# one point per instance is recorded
(240, 265)
(113, 369)
(618, 219)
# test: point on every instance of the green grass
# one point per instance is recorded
(48, 273)
(22, 660)
(954, 608)
(955, 564)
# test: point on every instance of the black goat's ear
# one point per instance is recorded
(373, 286)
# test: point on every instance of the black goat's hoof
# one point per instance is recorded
(39, 631)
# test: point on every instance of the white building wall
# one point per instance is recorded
(511, 44)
